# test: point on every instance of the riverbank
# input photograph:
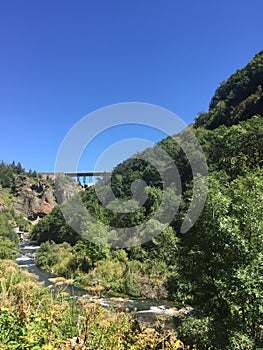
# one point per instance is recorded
(33, 318)
(146, 311)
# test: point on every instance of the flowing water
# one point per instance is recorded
(146, 309)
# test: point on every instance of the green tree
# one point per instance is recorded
(8, 238)
(220, 263)
(238, 98)
(94, 244)
(54, 227)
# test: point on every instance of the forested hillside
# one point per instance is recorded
(236, 99)
(217, 265)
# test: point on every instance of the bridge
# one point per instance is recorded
(85, 176)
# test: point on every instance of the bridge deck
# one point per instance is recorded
(86, 173)
(74, 174)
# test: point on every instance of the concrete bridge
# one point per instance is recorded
(85, 176)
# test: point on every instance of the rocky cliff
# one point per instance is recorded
(33, 198)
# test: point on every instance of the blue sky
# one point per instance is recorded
(61, 60)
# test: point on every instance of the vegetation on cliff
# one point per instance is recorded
(25, 192)
(8, 238)
(238, 98)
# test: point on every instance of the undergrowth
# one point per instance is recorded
(32, 317)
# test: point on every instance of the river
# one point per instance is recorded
(147, 311)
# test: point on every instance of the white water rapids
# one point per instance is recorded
(147, 310)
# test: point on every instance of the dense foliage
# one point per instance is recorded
(8, 238)
(9, 219)
(54, 227)
(221, 266)
(9, 172)
(238, 98)
(33, 318)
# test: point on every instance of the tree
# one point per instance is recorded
(94, 244)
(8, 238)
(221, 263)
(54, 227)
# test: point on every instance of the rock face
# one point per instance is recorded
(33, 198)
(65, 188)
(36, 197)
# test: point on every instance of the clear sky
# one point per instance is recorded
(60, 60)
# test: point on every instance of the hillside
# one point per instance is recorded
(236, 99)
(217, 265)
(25, 192)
